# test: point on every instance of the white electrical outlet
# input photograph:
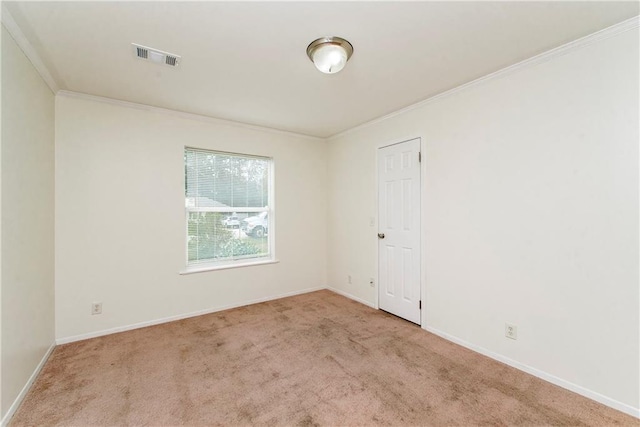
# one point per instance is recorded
(96, 308)
(511, 331)
(349, 279)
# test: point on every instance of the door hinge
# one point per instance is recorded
(419, 156)
(420, 304)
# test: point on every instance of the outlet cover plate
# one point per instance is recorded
(511, 331)
(96, 308)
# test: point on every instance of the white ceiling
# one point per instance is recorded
(246, 61)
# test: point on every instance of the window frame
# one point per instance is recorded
(270, 258)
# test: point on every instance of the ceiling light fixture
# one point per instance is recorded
(330, 54)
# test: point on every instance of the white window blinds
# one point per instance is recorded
(227, 206)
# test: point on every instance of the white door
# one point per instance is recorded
(399, 229)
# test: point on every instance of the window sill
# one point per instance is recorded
(203, 268)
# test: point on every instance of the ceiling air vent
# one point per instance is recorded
(142, 52)
(156, 56)
(171, 60)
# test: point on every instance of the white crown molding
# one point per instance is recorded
(15, 31)
(185, 115)
(26, 47)
(603, 34)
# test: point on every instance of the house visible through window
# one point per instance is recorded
(228, 214)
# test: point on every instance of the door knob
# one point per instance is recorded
(381, 235)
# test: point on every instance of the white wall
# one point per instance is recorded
(27, 220)
(120, 216)
(530, 187)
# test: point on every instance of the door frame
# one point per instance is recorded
(423, 263)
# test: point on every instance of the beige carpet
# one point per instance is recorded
(314, 359)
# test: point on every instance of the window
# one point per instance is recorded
(228, 214)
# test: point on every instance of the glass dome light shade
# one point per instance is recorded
(330, 54)
(330, 58)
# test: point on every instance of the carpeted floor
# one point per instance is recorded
(314, 359)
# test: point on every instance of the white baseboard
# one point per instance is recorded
(622, 407)
(66, 340)
(16, 403)
(348, 295)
